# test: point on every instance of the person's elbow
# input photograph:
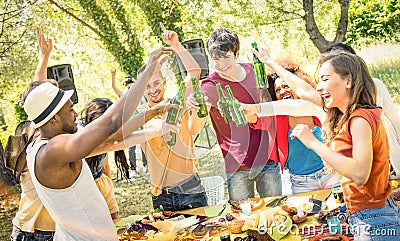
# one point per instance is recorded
(360, 178)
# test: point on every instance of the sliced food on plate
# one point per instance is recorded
(255, 203)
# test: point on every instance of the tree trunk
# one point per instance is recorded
(312, 29)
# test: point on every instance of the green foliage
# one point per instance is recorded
(120, 34)
(173, 69)
(17, 61)
(20, 114)
(373, 20)
(166, 11)
(130, 56)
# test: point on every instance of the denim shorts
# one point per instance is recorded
(376, 223)
(192, 198)
(267, 178)
(19, 235)
(321, 179)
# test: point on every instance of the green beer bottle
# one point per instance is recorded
(259, 70)
(174, 114)
(199, 97)
(238, 115)
(223, 103)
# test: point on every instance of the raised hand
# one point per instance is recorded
(250, 109)
(113, 74)
(169, 37)
(303, 132)
(158, 58)
(191, 103)
(168, 128)
(262, 55)
(45, 45)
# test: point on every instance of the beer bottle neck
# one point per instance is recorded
(228, 89)
(181, 91)
(220, 92)
(196, 88)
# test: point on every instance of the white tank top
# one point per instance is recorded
(79, 211)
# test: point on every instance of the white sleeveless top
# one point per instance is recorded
(79, 211)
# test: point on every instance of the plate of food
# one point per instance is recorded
(308, 205)
(255, 203)
(201, 229)
(295, 212)
(275, 222)
(157, 231)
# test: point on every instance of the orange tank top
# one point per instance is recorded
(374, 193)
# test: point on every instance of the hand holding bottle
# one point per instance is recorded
(199, 97)
(250, 111)
(259, 70)
(238, 115)
(263, 56)
(193, 105)
(159, 127)
(175, 114)
(223, 104)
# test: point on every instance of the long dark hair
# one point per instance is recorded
(94, 109)
(362, 91)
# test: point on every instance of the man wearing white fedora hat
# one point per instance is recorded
(62, 180)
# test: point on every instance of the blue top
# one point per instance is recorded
(98, 170)
(301, 160)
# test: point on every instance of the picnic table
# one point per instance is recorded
(295, 234)
(322, 195)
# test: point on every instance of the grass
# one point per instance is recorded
(384, 64)
(134, 197)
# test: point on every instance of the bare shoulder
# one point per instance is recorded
(359, 126)
(58, 150)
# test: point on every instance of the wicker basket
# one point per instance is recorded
(214, 187)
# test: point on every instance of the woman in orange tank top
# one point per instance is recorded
(357, 145)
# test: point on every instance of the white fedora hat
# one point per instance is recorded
(44, 101)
